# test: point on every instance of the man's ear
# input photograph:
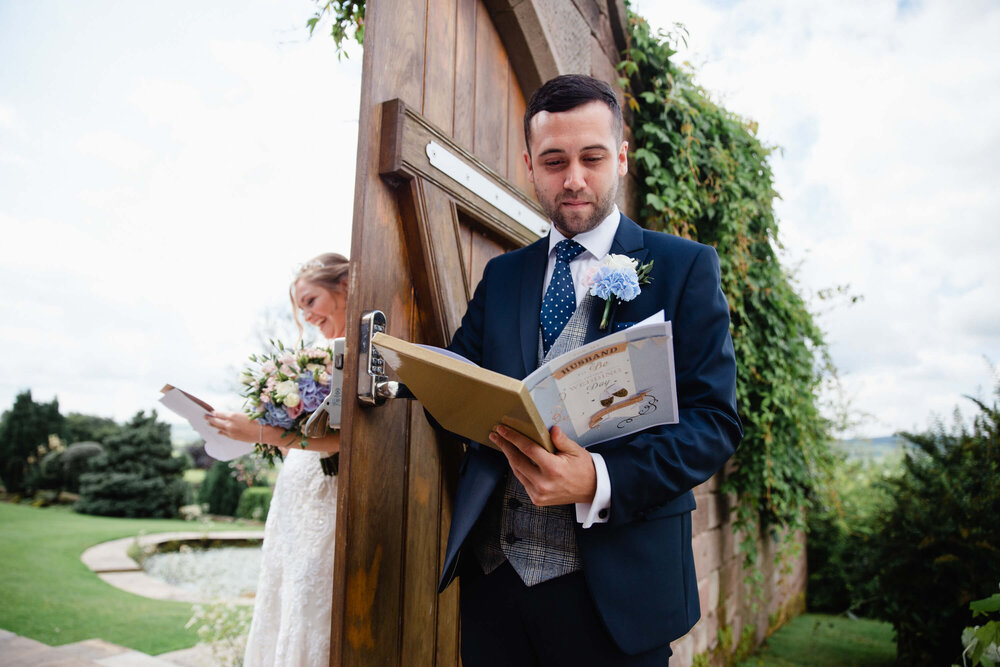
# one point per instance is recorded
(623, 159)
(527, 161)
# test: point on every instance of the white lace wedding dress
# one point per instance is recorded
(291, 614)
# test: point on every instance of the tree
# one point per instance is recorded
(137, 475)
(24, 439)
(88, 428)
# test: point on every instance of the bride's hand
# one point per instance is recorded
(235, 425)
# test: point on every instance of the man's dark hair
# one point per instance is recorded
(569, 91)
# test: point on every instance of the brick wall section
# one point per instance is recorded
(725, 599)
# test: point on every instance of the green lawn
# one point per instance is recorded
(818, 640)
(49, 595)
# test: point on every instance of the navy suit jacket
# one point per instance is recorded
(639, 565)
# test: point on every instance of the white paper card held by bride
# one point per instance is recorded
(194, 409)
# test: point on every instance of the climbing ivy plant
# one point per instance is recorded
(347, 21)
(704, 175)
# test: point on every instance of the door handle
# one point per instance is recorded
(374, 386)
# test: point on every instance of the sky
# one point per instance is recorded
(165, 168)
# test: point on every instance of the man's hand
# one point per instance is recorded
(563, 478)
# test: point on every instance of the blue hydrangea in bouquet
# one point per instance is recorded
(284, 386)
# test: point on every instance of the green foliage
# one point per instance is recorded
(347, 20)
(48, 475)
(61, 468)
(982, 642)
(704, 175)
(254, 503)
(88, 428)
(843, 544)
(940, 544)
(24, 440)
(137, 475)
(221, 489)
(75, 461)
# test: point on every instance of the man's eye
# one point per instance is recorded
(554, 163)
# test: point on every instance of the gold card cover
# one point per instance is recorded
(464, 398)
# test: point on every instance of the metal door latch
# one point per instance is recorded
(374, 386)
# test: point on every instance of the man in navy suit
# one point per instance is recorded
(583, 557)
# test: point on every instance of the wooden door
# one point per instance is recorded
(435, 73)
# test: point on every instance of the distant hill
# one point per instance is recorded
(870, 448)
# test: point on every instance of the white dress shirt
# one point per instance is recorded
(596, 245)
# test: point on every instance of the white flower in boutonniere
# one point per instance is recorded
(618, 279)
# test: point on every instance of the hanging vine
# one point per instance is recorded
(347, 21)
(704, 175)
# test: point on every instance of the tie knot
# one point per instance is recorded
(567, 250)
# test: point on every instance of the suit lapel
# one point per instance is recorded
(628, 241)
(532, 275)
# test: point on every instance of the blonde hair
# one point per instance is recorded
(328, 271)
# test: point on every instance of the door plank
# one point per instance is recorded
(491, 94)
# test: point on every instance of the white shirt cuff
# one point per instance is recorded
(597, 510)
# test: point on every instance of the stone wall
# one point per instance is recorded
(731, 611)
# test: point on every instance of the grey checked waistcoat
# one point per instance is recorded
(538, 542)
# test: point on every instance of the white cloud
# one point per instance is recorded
(114, 149)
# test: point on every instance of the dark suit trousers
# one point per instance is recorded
(551, 624)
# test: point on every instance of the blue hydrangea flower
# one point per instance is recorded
(311, 392)
(620, 282)
(275, 415)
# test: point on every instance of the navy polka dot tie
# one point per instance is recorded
(560, 298)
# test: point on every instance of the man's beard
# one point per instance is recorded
(602, 209)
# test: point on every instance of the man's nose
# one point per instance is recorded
(574, 177)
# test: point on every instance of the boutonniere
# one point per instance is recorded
(618, 279)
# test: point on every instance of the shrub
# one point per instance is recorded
(49, 474)
(940, 544)
(254, 503)
(842, 549)
(137, 474)
(221, 489)
(75, 461)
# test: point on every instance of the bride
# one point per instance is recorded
(291, 616)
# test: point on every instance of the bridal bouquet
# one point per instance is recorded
(284, 386)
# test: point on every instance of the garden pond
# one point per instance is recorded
(224, 572)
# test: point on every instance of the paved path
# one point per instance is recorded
(110, 561)
(18, 651)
